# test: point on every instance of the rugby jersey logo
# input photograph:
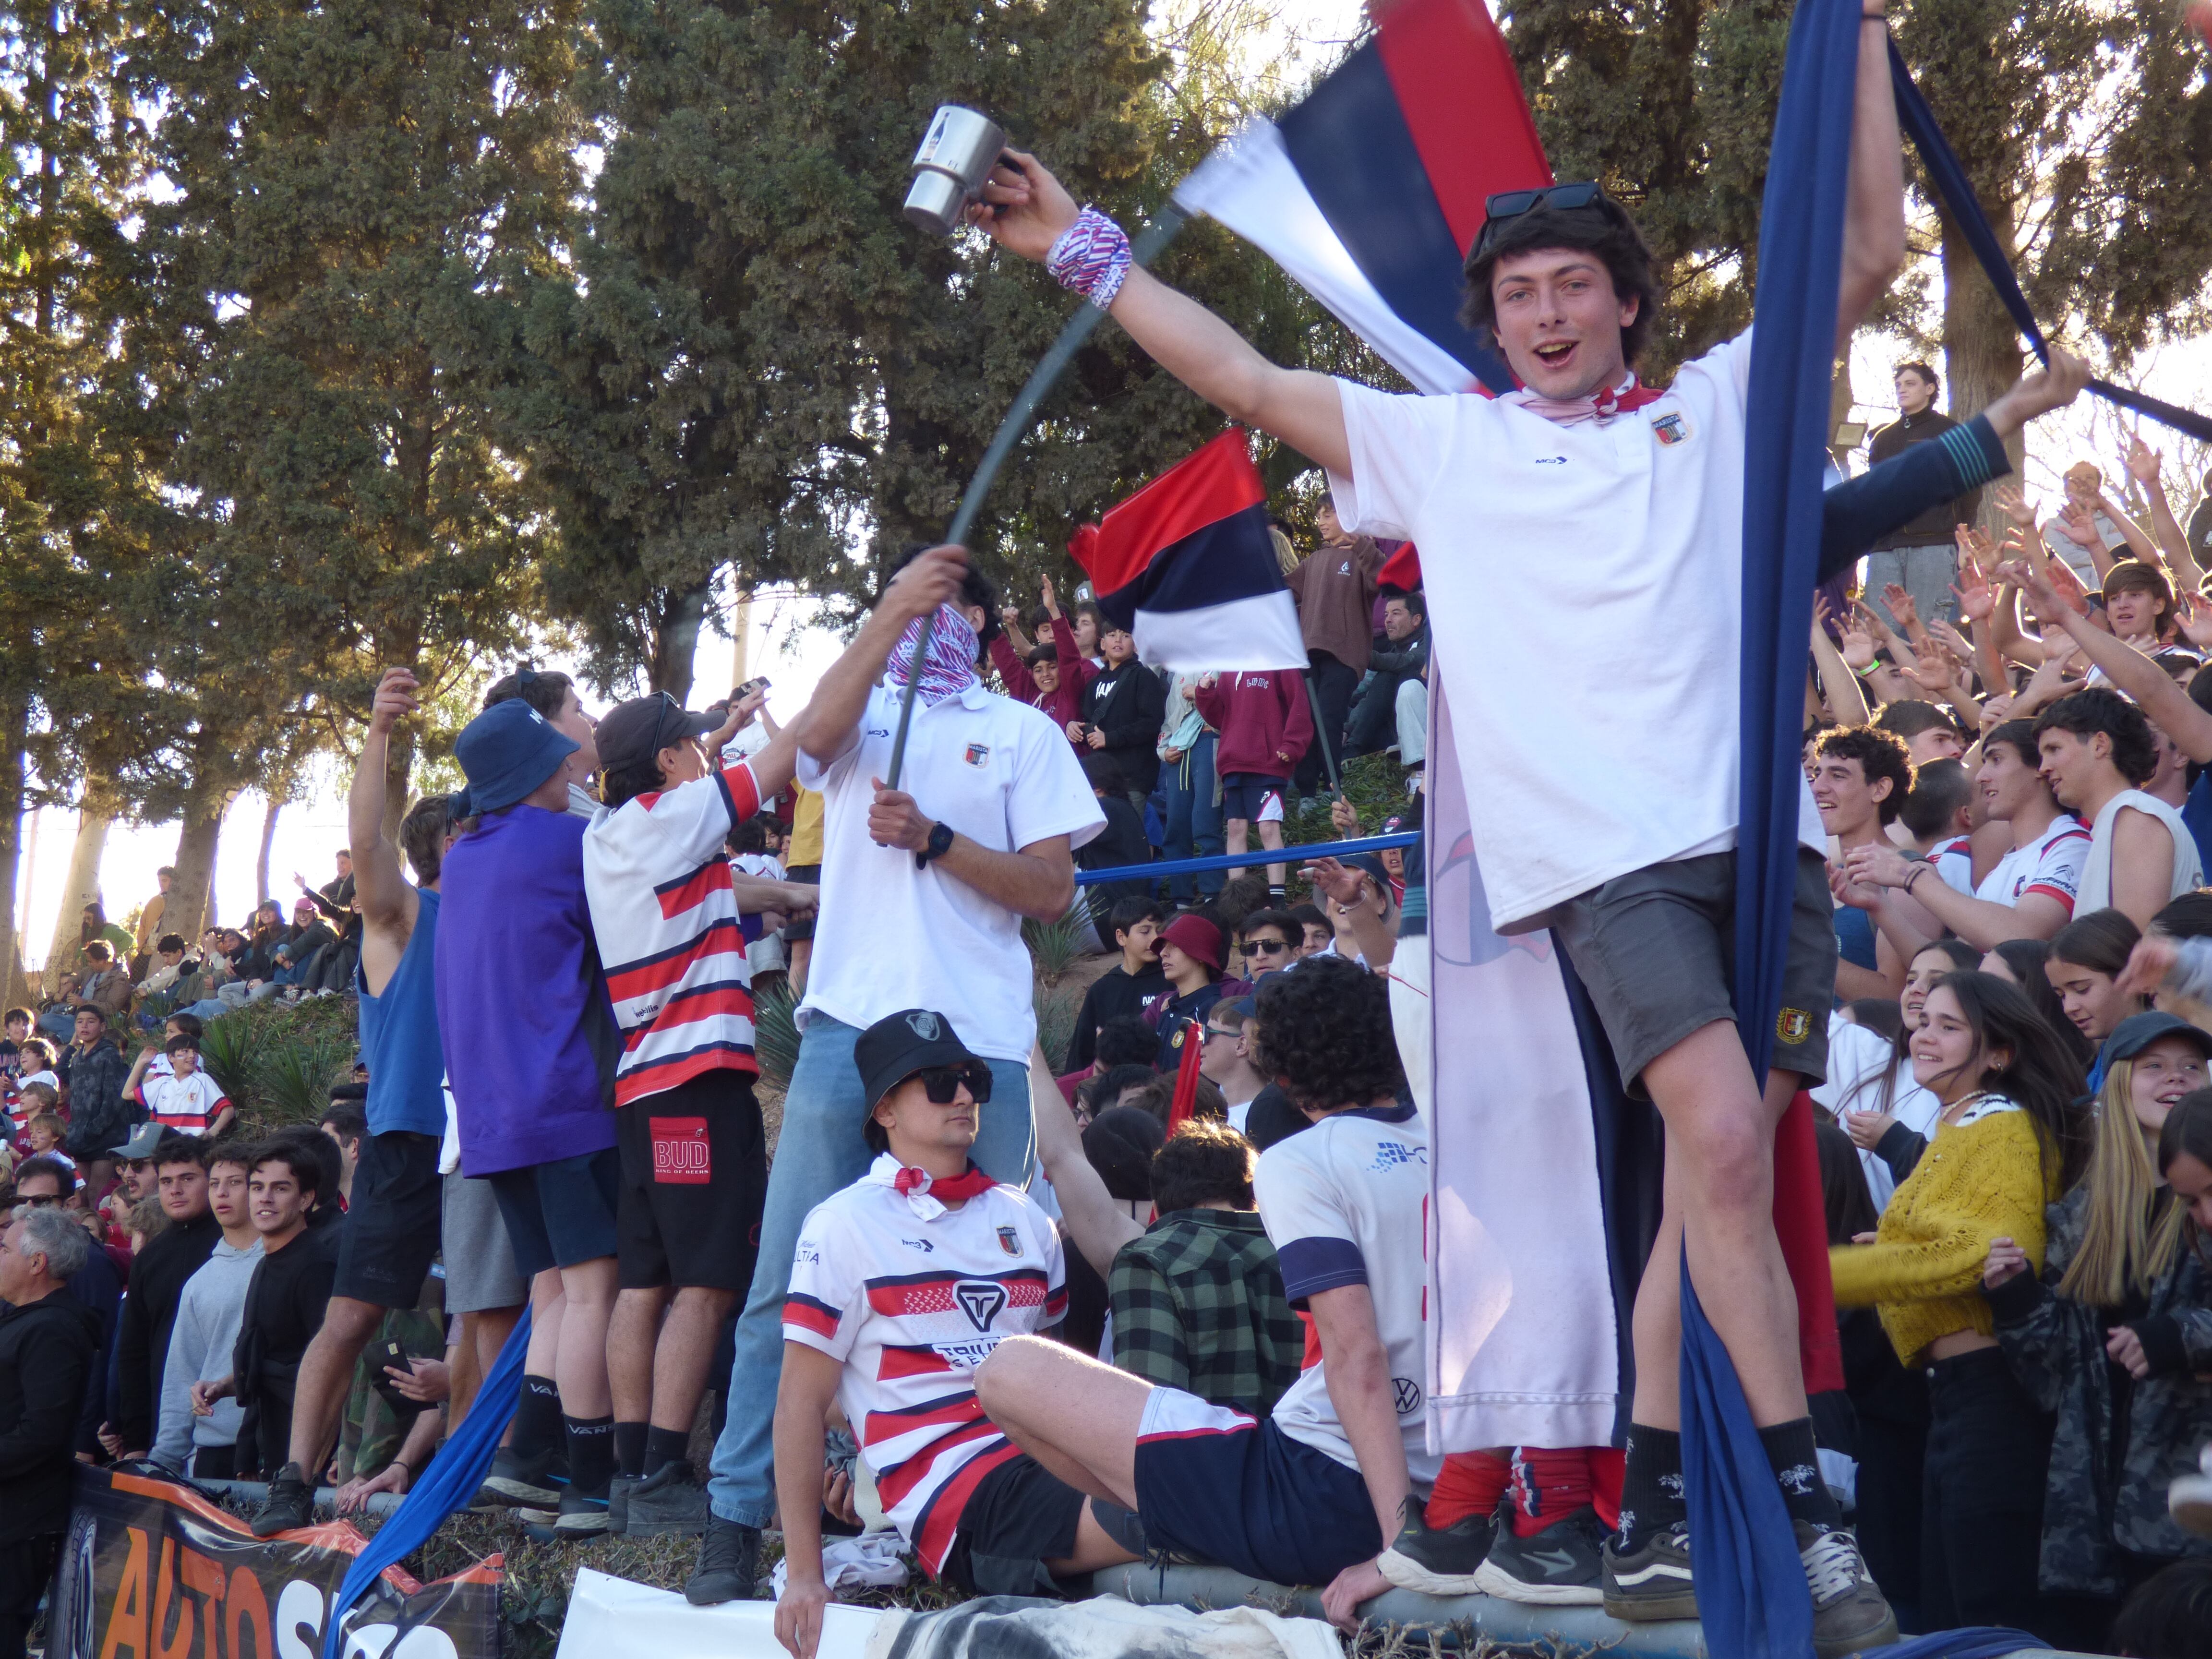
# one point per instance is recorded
(1010, 1240)
(1670, 429)
(980, 1300)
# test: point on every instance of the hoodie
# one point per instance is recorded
(1064, 702)
(201, 1342)
(1263, 720)
(48, 1349)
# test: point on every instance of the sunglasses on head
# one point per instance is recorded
(942, 1082)
(1513, 203)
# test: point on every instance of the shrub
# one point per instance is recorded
(277, 1064)
(775, 1032)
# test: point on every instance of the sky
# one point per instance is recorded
(785, 642)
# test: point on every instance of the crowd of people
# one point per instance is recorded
(1165, 1295)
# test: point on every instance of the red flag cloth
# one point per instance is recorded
(1185, 1089)
(1800, 1221)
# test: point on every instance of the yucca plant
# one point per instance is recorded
(1055, 947)
(775, 1033)
(1055, 1023)
(293, 1079)
(230, 1049)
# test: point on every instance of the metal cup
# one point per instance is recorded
(956, 155)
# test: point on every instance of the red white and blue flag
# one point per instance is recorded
(1187, 566)
(1372, 190)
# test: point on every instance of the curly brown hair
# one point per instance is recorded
(1324, 1034)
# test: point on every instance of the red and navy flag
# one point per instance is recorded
(1370, 192)
(1187, 566)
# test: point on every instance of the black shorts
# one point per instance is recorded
(1019, 1516)
(560, 1214)
(1656, 950)
(1255, 797)
(390, 1232)
(808, 875)
(694, 1177)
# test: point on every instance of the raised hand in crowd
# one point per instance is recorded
(1901, 608)
(2078, 523)
(2144, 462)
(2013, 502)
(1857, 642)
(2194, 618)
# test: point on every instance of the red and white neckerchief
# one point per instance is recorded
(1601, 405)
(928, 1196)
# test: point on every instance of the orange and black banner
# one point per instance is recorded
(151, 1570)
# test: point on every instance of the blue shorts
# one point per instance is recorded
(1253, 796)
(561, 1214)
(1213, 1483)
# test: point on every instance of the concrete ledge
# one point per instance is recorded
(256, 1492)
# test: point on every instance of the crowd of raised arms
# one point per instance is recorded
(1042, 1313)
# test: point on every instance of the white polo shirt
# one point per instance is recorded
(889, 936)
(1542, 545)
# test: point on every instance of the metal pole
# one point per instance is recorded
(1321, 733)
(1146, 246)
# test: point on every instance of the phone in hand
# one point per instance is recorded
(391, 1355)
(758, 683)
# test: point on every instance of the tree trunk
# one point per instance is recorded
(261, 859)
(14, 719)
(95, 811)
(676, 640)
(398, 776)
(192, 896)
(1981, 345)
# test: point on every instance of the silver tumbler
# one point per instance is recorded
(956, 155)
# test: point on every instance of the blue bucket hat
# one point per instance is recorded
(507, 752)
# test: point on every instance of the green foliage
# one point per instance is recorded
(1055, 1019)
(277, 1064)
(775, 1032)
(1055, 947)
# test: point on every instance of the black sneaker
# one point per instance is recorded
(618, 1491)
(1849, 1611)
(1561, 1566)
(668, 1503)
(579, 1517)
(1437, 1561)
(291, 1503)
(1653, 1581)
(525, 1480)
(729, 1564)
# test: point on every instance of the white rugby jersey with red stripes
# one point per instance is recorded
(187, 1104)
(911, 1302)
(657, 878)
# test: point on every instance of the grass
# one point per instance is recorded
(277, 1064)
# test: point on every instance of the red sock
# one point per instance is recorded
(1548, 1487)
(1470, 1483)
(1608, 1463)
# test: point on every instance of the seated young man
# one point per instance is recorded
(902, 1283)
(1312, 1494)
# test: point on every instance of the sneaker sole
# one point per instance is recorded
(708, 1595)
(505, 1489)
(1650, 1609)
(289, 1525)
(1408, 1574)
(1492, 1579)
(1837, 1647)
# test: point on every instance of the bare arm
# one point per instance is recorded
(1038, 880)
(1846, 697)
(1098, 1226)
(1357, 1373)
(387, 901)
(1873, 213)
(803, 1395)
(2165, 704)
(1982, 923)
(2142, 865)
(2143, 466)
(1027, 211)
(825, 727)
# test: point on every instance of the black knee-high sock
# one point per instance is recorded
(1651, 1486)
(536, 1416)
(1796, 1465)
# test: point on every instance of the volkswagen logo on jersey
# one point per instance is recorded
(981, 1299)
(924, 1024)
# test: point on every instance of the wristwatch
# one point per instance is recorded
(941, 844)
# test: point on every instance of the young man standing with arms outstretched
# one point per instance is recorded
(1589, 822)
(391, 1231)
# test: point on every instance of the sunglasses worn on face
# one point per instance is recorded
(41, 1203)
(1513, 203)
(1266, 947)
(942, 1082)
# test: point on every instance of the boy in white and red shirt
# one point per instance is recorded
(901, 1284)
(663, 905)
(1265, 727)
(184, 1098)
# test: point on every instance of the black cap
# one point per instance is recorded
(632, 733)
(2138, 1031)
(897, 1046)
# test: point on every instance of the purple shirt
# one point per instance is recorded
(523, 1013)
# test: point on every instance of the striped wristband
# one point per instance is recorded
(1090, 258)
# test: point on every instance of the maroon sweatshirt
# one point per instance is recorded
(1065, 702)
(1263, 720)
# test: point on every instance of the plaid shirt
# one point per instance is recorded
(1198, 1305)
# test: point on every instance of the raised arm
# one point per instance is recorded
(1026, 209)
(2143, 466)
(386, 898)
(1873, 213)
(1095, 1225)
(2165, 704)
(825, 727)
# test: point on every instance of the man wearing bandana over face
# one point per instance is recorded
(924, 889)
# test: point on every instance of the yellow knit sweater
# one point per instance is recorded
(1977, 1182)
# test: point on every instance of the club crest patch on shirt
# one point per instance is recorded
(1793, 1025)
(1671, 429)
(1010, 1240)
(979, 753)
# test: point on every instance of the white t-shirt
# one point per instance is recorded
(910, 1302)
(1858, 1057)
(1954, 863)
(2051, 864)
(1543, 545)
(187, 1104)
(889, 936)
(2097, 869)
(1346, 1203)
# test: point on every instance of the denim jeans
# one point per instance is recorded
(819, 1152)
(1193, 818)
(1926, 573)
